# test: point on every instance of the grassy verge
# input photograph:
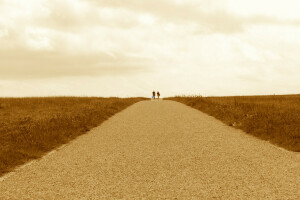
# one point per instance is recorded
(272, 118)
(30, 127)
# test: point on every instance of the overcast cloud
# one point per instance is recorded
(130, 47)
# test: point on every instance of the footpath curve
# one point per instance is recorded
(160, 150)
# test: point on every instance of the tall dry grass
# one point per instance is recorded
(272, 118)
(30, 127)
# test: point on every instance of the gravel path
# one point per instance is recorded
(160, 150)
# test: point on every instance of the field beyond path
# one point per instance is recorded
(160, 149)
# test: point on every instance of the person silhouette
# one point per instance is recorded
(153, 94)
(158, 94)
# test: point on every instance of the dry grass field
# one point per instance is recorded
(30, 127)
(272, 118)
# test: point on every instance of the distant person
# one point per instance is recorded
(158, 94)
(153, 95)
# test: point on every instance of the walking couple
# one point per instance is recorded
(153, 94)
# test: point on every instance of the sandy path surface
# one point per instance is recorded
(160, 150)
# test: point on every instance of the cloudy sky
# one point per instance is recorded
(131, 47)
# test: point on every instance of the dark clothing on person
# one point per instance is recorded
(153, 94)
(158, 94)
